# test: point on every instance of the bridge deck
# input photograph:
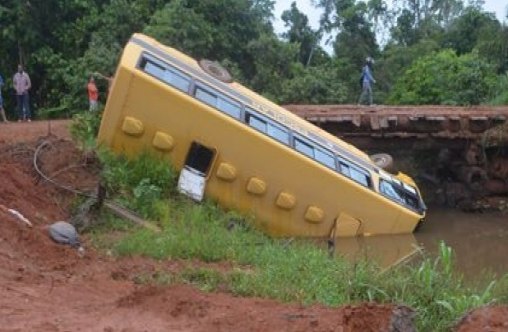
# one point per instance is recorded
(403, 121)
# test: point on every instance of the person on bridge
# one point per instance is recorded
(2, 111)
(22, 84)
(366, 81)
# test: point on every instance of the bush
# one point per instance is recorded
(444, 78)
(140, 182)
(84, 129)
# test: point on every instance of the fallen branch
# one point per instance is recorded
(16, 214)
(127, 214)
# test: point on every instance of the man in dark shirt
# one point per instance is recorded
(367, 80)
(2, 111)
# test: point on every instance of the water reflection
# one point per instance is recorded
(385, 250)
(479, 241)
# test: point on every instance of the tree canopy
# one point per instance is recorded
(426, 52)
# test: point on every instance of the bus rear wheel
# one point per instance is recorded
(214, 69)
(383, 160)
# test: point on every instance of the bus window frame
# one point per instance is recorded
(219, 95)
(351, 165)
(315, 146)
(146, 58)
(268, 122)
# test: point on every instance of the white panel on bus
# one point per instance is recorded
(192, 183)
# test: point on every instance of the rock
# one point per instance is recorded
(64, 233)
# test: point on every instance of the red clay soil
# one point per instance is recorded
(49, 287)
(492, 319)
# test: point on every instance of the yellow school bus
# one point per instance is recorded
(247, 153)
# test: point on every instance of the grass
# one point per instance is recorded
(302, 272)
(266, 267)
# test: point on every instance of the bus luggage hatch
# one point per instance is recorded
(194, 173)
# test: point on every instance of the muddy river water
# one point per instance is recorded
(479, 241)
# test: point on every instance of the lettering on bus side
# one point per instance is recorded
(281, 118)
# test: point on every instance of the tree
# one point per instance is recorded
(445, 78)
(467, 30)
(273, 62)
(300, 32)
(423, 19)
(314, 85)
(218, 30)
(395, 60)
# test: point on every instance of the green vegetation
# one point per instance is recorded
(84, 129)
(266, 267)
(63, 42)
(443, 78)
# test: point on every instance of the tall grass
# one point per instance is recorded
(84, 129)
(140, 183)
(277, 268)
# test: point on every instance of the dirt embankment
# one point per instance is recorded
(47, 287)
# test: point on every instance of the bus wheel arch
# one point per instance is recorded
(215, 69)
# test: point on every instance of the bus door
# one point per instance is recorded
(195, 171)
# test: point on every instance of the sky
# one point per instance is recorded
(499, 7)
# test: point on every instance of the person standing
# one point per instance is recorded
(93, 95)
(22, 84)
(2, 110)
(366, 81)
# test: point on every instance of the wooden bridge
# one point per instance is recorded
(386, 121)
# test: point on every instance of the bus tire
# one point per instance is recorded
(214, 69)
(383, 160)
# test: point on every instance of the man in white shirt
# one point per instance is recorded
(22, 84)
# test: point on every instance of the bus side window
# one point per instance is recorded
(360, 176)
(229, 107)
(279, 133)
(172, 77)
(344, 169)
(206, 96)
(325, 158)
(177, 80)
(304, 148)
(354, 173)
(256, 122)
(153, 69)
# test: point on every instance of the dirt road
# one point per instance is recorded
(47, 287)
